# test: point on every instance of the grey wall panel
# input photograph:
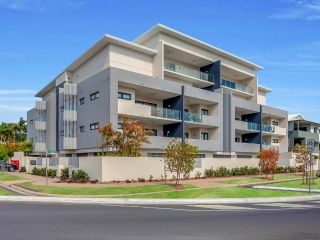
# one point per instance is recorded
(97, 110)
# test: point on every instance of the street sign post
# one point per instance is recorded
(50, 152)
(311, 146)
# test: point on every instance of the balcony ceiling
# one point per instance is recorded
(183, 56)
(232, 74)
(149, 92)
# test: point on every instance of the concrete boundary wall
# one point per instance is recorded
(106, 169)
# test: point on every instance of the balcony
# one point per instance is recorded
(41, 105)
(268, 128)
(197, 78)
(40, 125)
(130, 108)
(247, 126)
(69, 143)
(245, 147)
(157, 142)
(70, 115)
(239, 88)
(192, 117)
(205, 145)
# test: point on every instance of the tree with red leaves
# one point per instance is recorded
(268, 161)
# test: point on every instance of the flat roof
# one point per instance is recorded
(264, 89)
(162, 28)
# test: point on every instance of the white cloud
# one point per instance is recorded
(41, 5)
(299, 9)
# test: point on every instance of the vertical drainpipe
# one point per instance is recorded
(260, 127)
(182, 113)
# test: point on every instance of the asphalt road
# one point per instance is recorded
(50, 222)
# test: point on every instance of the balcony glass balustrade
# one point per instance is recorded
(254, 126)
(188, 71)
(268, 128)
(192, 117)
(165, 113)
(236, 86)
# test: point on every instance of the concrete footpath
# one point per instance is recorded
(132, 201)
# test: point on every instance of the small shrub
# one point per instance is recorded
(150, 178)
(128, 181)
(141, 180)
(222, 172)
(64, 173)
(198, 175)
(209, 172)
(80, 176)
(23, 169)
(51, 172)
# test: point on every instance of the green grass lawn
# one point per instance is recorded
(4, 177)
(297, 184)
(100, 190)
(4, 192)
(254, 179)
(230, 192)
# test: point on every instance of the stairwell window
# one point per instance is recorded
(81, 101)
(94, 96)
(82, 128)
(94, 126)
(125, 96)
(204, 136)
(275, 140)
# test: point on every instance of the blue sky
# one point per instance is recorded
(40, 37)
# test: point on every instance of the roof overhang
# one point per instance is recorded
(161, 28)
(264, 89)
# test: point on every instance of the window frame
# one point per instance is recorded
(204, 134)
(121, 94)
(96, 124)
(94, 96)
(82, 129)
(82, 101)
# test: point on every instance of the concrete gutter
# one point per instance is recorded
(132, 201)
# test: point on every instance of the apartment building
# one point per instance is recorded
(174, 84)
(301, 130)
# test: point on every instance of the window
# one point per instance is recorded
(119, 125)
(201, 155)
(152, 132)
(146, 103)
(186, 135)
(33, 162)
(81, 101)
(205, 112)
(237, 139)
(94, 96)
(244, 156)
(275, 123)
(151, 154)
(62, 108)
(31, 139)
(31, 121)
(186, 110)
(82, 128)
(275, 140)
(61, 133)
(221, 156)
(94, 126)
(204, 136)
(125, 96)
